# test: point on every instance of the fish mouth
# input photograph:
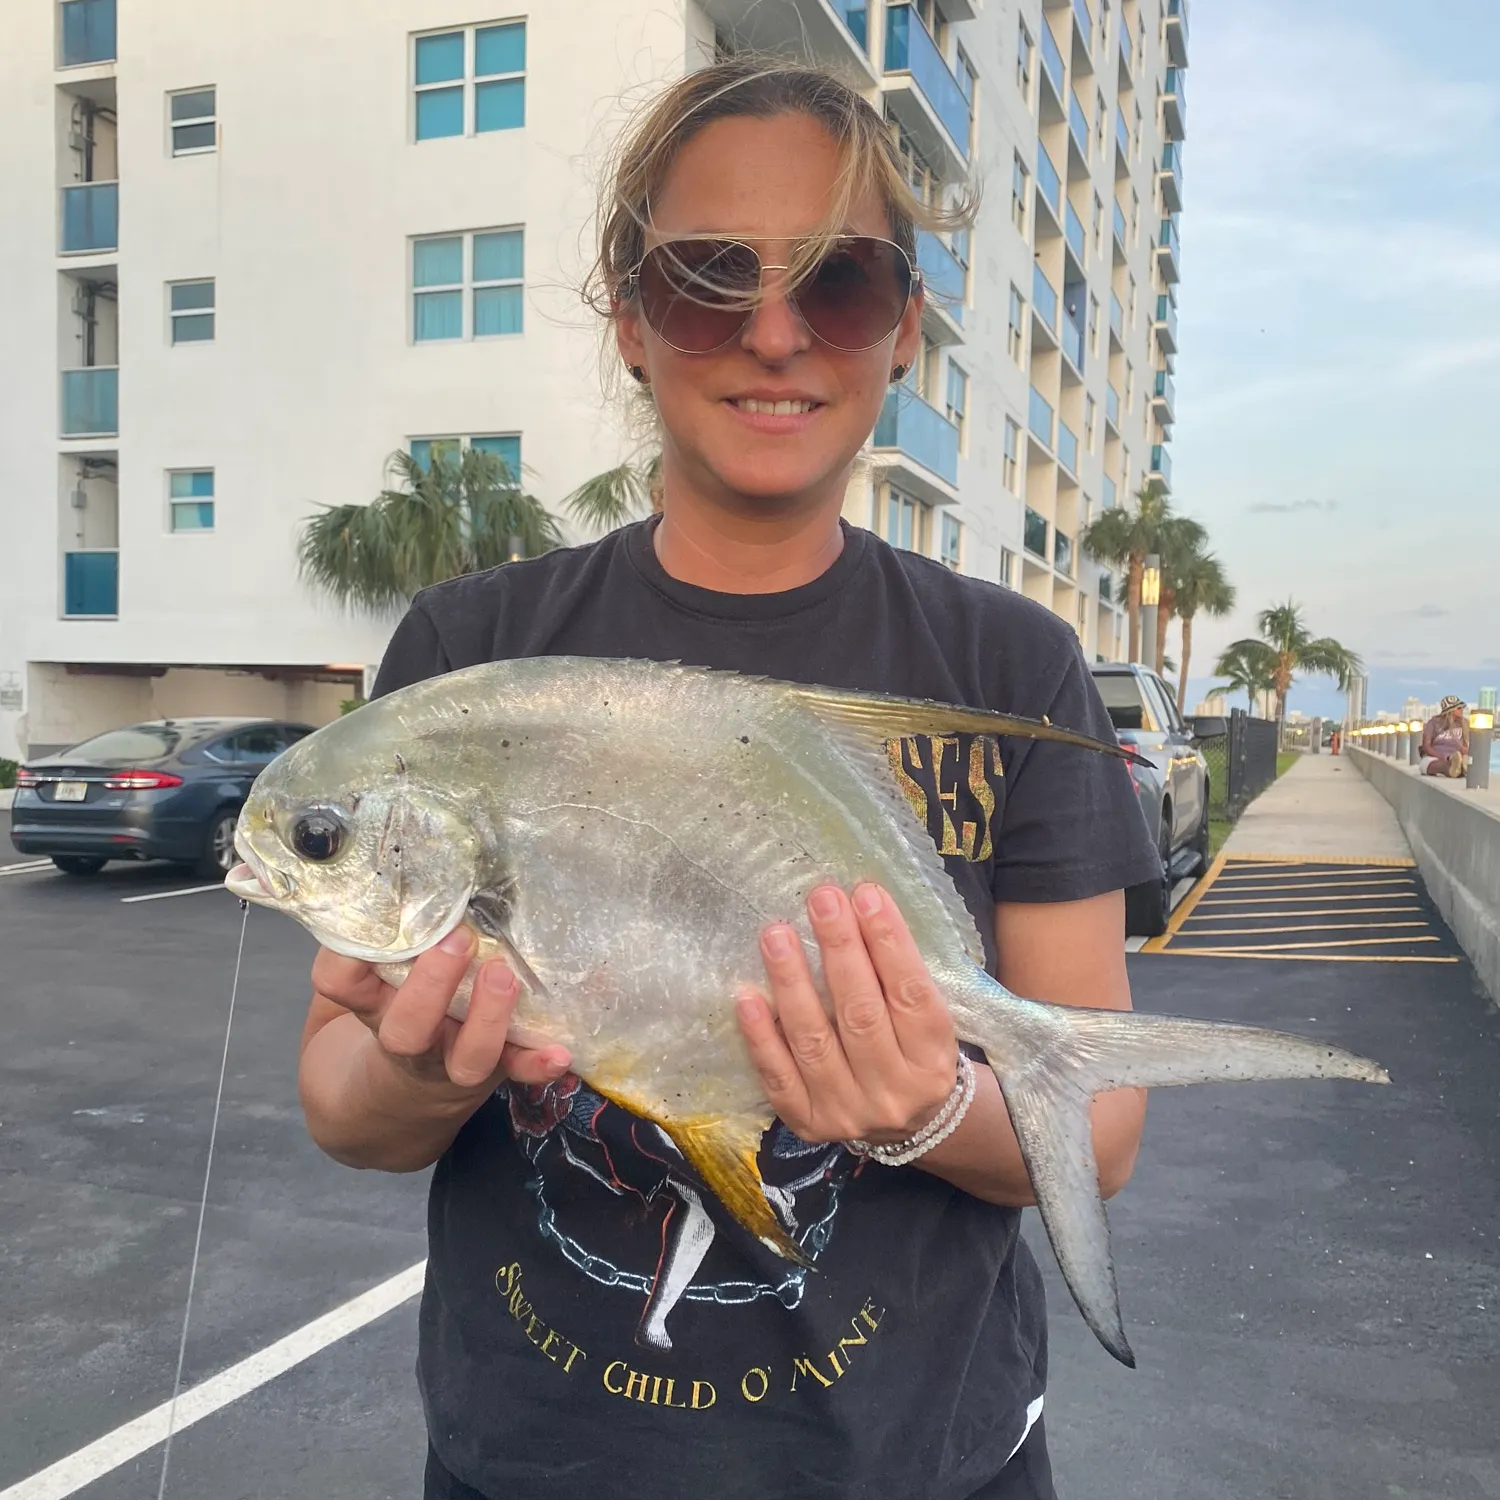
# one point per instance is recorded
(251, 880)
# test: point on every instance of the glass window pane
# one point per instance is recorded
(500, 49)
(194, 137)
(438, 262)
(446, 450)
(192, 515)
(421, 452)
(193, 106)
(499, 257)
(439, 315)
(506, 448)
(192, 328)
(500, 106)
(190, 484)
(497, 309)
(440, 58)
(187, 295)
(440, 112)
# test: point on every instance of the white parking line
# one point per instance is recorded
(192, 890)
(69, 1475)
(26, 868)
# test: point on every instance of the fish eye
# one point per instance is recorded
(317, 835)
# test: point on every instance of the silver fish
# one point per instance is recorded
(621, 831)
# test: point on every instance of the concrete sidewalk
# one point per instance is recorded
(1321, 806)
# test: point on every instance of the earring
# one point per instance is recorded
(898, 372)
(639, 374)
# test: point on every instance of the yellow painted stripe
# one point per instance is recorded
(1325, 885)
(1335, 943)
(1381, 862)
(1201, 932)
(1185, 906)
(1234, 900)
(1314, 958)
(1326, 911)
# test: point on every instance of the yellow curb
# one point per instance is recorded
(1185, 906)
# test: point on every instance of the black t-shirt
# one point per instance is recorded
(591, 1316)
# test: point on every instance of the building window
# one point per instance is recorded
(467, 285)
(1130, 304)
(1011, 474)
(505, 446)
(1015, 338)
(191, 311)
(968, 77)
(1101, 120)
(195, 127)
(1098, 225)
(1025, 62)
(1135, 217)
(1020, 186)
(1138, 132)
(1125, 468)
(1094, 323)
(958, 241)
(958, 401)
(1129, 386)
(903, 520)
(1083, 612)
(190, 499)
(1090, 412)
(951, 548)
(1007, 568)
(470, 81)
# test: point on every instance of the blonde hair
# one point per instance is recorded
(741, 87)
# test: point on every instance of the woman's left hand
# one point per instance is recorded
(885, 1063)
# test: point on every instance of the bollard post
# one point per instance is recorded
(1403, 749)
(1481, 733)
(1415, 754)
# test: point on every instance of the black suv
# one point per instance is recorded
(1174, 789)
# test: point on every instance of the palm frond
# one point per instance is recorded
(611, 499)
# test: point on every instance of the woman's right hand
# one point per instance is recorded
(465, 1059)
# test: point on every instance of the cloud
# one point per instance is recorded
(1427, 612)
(1279, 508)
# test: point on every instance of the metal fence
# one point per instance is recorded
(1241, 764)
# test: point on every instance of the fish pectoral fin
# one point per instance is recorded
(722, 1150)
(877, 720)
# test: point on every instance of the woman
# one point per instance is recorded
(1445, 740)
(590, 1314)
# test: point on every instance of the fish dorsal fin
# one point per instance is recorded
(879, 719)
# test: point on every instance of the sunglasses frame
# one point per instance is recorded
(633, 289)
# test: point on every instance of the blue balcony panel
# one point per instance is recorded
(923, 434)
(91, 217)
(1177, 32)
(943, 275)
(910, 49)
(91, 402)
(1165, 322)
(1085, 23)
(1047, 180)
(1161, 464)
(1039, 417)
(1112, 405)
(1073, 343)
(1078, 126)
(1073, 229)
(1169, 176)
(1052, 60)
(91, 584)
(1174, 104)
(1067, 447)
(1044, 298)
(88, 32)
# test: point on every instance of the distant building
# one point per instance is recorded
(1216, 705)
(1359, 694)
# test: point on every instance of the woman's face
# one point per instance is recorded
(767, 183)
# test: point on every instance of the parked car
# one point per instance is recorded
(169, 789)
(1173, 789)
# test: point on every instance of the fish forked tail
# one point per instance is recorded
(1051, 1060)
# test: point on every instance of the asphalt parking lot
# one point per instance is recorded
(1310, 1272)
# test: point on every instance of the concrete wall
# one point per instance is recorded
(1455, 837)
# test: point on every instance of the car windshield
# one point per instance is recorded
(138, 742)
(1122, 697)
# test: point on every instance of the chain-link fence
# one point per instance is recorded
(1241, 764)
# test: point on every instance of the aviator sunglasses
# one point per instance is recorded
(698, 293)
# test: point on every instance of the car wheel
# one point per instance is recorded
(218, 857)
(1199, 845)
(78, 864)
(1148, 907)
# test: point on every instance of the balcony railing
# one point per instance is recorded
(1073, 229)
(854, 15)
(1062, 553)
(1177, 31)
(943, 274)
(1112, 405)
(1122, 133)
(88, 32)
(91, 401)
(1034, 537)
(1047, 179)
(1067, 448)
(1085, 23)
(1164, 392)
(1161, 464)
(1052, 59)
(1170, 175)
(1120, 225)
(1169, 248)
(1174, 104)
(922, 433)
(1166, 322)
(1072, 341)
(1078, 125)
(1127, 57)
(1040, 417)
(909, 49)
(91, 583)
(91, 217)
(1043, 298)
(1109, 493)
(1117, 319)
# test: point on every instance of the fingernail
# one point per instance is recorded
(777, 942)
(824, 903)
(557, 1062)
(747, 1005)
(459, 942)
(867, 900)
(497, 977)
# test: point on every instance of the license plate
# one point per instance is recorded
(70, 791)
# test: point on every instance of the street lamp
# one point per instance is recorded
(1415, 753)
(1150, 606)
(1481, 733)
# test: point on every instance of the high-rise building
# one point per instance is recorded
(1358, 695)
(248, 256)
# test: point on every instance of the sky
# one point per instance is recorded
(1338, 381)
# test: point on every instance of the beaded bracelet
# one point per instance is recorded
(934, 1132)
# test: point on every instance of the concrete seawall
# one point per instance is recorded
(1455, 838)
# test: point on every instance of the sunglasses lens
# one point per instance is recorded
(697, 294)
(856, 294)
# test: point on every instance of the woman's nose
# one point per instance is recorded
(775, 331)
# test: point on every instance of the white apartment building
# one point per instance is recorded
(248, 254)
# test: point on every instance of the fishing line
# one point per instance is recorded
(213, 1133)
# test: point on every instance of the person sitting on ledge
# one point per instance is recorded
(1445, 740)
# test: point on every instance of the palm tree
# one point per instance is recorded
(1200, 587)
(450, 517)
(1179, 539)
(618, 495)
(1293, 648)
(1124, 538)
(1250, 668)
